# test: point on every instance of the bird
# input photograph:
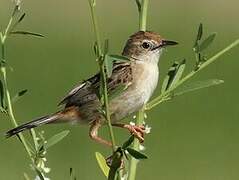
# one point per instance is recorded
(140, 77)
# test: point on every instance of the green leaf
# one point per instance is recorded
(207, 42)
(21, 18)
(108, 65)
(165, 84)
(96, 50)
(117, 91)
(128, 142)
(198, 85)
(171, 74)
(72, 174)
(179, 73)
(138, 5)
(119, 58)
(26, 33)
(18, 95)
(199, 36)
(136, 154)
(56, 138)
(1, 95)
(102, 163)
(106, 47)
(200, 32)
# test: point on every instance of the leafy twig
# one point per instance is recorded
(162, 97)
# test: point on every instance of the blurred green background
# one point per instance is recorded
(194, 137)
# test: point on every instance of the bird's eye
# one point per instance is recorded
(145, 45)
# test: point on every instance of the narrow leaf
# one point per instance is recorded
(1, 94)
(179, 73)
(56, 138)
(106, 48)
(207, 42)
(199, 34)
(102, 163)
(96, 50)
(171, 74)
(108, 65)
(26, 33)
(128, 142)
(21, 18)
(198, 85)
(119, 58)
(136, 154)
(72, 174)
(18, 95)
(165, 84)
(138, 5)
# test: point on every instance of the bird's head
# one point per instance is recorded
(146, 46)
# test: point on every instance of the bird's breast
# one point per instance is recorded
(145, 79)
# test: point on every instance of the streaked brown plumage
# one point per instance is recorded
(139, 75)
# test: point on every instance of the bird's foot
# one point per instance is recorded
(137, 130)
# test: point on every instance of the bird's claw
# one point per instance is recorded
(137, 130)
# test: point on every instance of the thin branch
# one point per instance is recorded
(156, 101)
(143, 9)
(102, 71)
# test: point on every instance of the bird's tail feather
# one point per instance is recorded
(32, 124)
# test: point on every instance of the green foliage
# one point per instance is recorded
(36, 154)
(136, 154)
(102, 163)
(72, 174)
(2, 107)
(175, 79)
(193, 86)
(26, 33)
(128, 142)
(174, 75)
(200, 46)
(56, 138)
(18, 95)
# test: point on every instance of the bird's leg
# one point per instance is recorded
(137, 131)
(93, 133)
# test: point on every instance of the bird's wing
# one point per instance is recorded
(89, 89)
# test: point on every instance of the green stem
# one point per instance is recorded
(106, 103)
(161, 97)
(143, 15)
(103, 75)
(133, 161)
(95, 25)
(143, 9)
(3, 70)
(9, 108)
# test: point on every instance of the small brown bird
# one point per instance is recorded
(139, 75)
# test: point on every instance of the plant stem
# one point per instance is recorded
(106, 103)
(133, 161)
(143, 15)
(9, 107)
(161, 97)
(103, 74)
(7, 94)
(143, 8)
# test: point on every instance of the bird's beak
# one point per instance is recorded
(165, 43)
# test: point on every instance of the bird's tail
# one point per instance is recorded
(32, 124)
